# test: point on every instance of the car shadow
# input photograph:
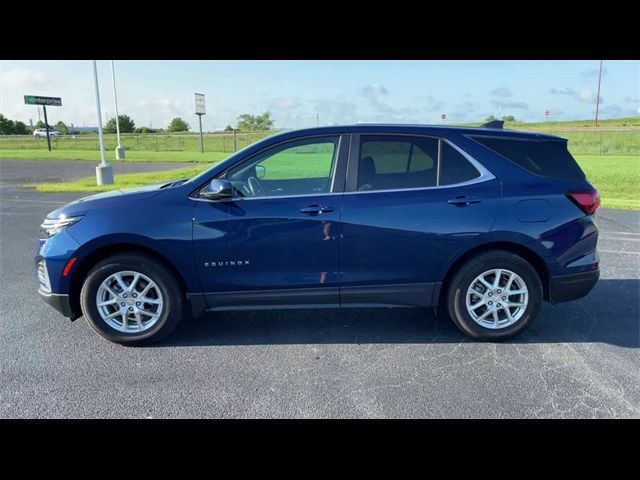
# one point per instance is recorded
(609, 314)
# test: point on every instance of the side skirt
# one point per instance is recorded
(399, 295)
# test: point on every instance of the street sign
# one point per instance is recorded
(198, 99)
(44, 101)
(35, 100)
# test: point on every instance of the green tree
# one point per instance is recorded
(145, 130)
(61, 127)
(40, 124)
(490, 118)
(509, 118)
(178, 125)
(7, 127)
(248, 122)
(127, 125)
(21, 128)
(229, 128)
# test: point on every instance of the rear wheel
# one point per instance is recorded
(494, 296)
(131, 299)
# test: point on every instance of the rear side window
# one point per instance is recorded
(544, 158)
(391, 162)
(397, 162)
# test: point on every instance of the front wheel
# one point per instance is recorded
(131, 299)
(494, 296)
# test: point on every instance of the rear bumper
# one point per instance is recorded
(60, 302)
(571, 287)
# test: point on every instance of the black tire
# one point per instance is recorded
(172, 294)
(466, 274)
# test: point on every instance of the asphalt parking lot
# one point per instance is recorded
(581, 359)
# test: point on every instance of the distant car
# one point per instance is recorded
(482, 223)
(42, 133)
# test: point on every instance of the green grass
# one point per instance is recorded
(617, 177)
(128, 180)
(187, 142)
(94, 156)
(611, 122)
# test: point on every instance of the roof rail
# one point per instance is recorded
(493, 124)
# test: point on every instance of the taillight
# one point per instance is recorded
(588, 201)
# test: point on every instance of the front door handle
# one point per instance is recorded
(463, 201)
(316, 209)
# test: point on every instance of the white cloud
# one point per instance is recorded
(504, 92)
(563, 91)
(588, 96)
(510, 104)
(19, 77)
(284, 103)
(374, 89)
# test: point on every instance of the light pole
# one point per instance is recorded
(598, 94)
(104, 171)
(119, 148)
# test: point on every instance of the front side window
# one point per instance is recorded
(392, 162)
(301, 167)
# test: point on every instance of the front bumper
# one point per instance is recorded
(565, 288)
(60, 302)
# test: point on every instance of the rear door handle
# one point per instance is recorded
(463, 201)
(316, 209)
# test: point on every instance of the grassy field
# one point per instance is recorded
(587, 142)
(613, 136)
(617, 177)
(128, 180)
(187, 142)
(94, 156)
(608, 123)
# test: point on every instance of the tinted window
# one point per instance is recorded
(545, 158)
(454, 168)
(393, 162)
(295, 168)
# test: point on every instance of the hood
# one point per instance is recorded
(108, 199)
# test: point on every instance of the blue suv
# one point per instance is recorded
(482, 223)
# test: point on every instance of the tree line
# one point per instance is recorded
(245, 123)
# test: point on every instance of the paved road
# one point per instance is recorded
(19, 172)
(581, 359)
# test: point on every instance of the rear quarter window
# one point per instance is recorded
(545, 158)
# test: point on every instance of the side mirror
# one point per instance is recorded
(217, 189)
(261, 171)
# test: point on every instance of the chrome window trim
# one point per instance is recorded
(485, 176)
(195, 193)
(484, 172)
(479, 179)
(244, 199)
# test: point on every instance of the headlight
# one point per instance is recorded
(51, 226)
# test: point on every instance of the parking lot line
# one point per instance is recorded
(618, 251)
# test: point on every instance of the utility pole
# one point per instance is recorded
(119, 149)
(104, 171)
(317, 119)
(598, 94)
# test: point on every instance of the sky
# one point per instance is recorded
(302, 93)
